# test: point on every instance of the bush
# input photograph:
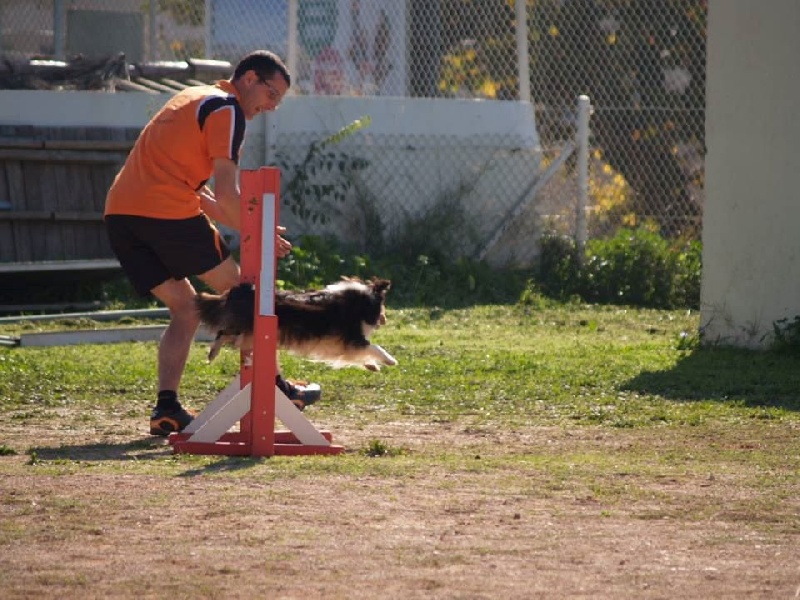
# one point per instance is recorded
(634, 267)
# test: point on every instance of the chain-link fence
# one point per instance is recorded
(642, 64)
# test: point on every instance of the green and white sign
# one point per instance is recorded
(317, 23)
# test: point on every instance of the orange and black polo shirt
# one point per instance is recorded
(173, 157)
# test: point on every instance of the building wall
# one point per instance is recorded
(751, 225)
(477, 156)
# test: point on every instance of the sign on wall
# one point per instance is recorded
(346, 47)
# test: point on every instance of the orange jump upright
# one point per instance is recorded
(252, 398)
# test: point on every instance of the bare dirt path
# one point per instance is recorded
(492, 514)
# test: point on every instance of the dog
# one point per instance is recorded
(331, 325)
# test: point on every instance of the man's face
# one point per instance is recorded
(260, 95)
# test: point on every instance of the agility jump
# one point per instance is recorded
(252, 399)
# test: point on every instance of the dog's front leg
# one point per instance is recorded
(380, 356)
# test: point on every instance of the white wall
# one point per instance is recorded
(419, 150)
(751, 224)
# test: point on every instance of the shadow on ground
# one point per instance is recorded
(732, 375)
(142, 449)
(134, 450)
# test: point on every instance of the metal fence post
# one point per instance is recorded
(292, 46)
(59, 26)
(582, 142)
(153, 41)
(207, 33)
(523, 54)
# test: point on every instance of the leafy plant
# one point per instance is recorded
(323, 176)
(636, 267)
(7, 450)
(558, 270)
(377, 448)
(786, 335)
(316, 261)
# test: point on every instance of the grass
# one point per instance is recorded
(510, 365)
(566, 416)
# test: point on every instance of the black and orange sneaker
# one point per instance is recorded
(163, 422)
(301, 393)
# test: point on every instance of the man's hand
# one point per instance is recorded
(282, 246)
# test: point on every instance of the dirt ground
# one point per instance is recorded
(116, 517)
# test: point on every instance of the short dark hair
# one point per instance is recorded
(265, 64)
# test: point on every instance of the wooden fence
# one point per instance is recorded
(53, 184)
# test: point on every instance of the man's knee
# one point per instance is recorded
(222, 277)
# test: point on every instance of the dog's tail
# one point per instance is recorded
(211, 309)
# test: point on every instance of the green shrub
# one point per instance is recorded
(786, 336)
(634, 267)
(558, 273)
(426, 280)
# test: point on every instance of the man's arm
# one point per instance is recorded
(224, 204)
(214, 206)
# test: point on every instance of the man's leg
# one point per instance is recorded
(173, 351)
(178, 297)
(222, 277)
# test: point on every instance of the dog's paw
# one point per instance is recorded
(382, 356)
(372, 367)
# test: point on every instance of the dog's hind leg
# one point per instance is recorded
(219, 341)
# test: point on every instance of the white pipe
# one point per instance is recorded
(523, 54)
(582, 141)
(100, 315)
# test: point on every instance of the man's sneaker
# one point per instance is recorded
(163, 422)
(302, 393)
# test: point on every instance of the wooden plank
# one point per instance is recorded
(39, 231)
(26, 143)
(21, 231)
(132, 86)
(7, 249)
(155, 85)
(50, 199)
(89, 145)
(65, 205)
(52, 138)
(16, 184)
(101, 179)
(175, 84)
(69, 156)
(49, 215)
(59, 265)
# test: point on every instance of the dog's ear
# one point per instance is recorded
(380, 286)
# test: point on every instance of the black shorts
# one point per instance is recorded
(151, 251)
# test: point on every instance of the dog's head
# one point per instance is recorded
(379, 289)
(367, 297)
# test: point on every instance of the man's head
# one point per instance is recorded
(262, 80)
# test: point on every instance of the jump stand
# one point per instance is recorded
(252, 398)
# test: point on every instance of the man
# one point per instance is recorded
(159, 211)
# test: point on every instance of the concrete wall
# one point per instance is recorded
(751, 224)
(485, 153)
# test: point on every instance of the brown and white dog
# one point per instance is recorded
(331, 325)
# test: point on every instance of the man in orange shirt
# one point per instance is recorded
(159, 211)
